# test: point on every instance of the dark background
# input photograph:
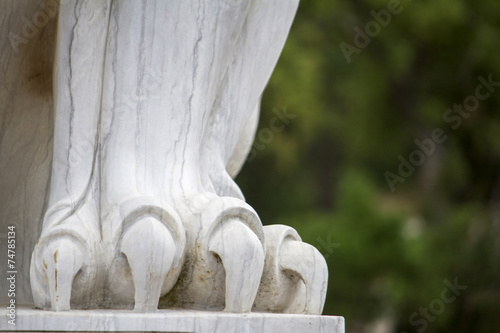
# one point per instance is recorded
(392, 252)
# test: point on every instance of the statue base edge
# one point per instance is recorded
(34, 320)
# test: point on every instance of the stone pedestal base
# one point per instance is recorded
(33, 320)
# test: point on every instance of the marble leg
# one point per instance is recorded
(66, 265)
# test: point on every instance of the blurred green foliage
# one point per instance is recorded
(389, 252)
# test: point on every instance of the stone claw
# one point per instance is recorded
(66, 264)
(150, 250)
(242, 256)
(295, 276)
(308, 263)
(148, 243)
(62, 260)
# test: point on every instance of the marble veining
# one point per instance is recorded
(152, 113)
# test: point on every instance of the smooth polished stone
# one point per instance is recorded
(149, 115)
(172, 321)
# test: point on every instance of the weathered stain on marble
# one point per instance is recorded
(141, 204)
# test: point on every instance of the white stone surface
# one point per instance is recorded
(172, 321)
(155, 107)
(26, 132)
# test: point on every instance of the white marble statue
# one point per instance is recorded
(155, 104)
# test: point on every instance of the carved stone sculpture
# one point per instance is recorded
(155, 104)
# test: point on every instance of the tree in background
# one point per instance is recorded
(397, 216)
